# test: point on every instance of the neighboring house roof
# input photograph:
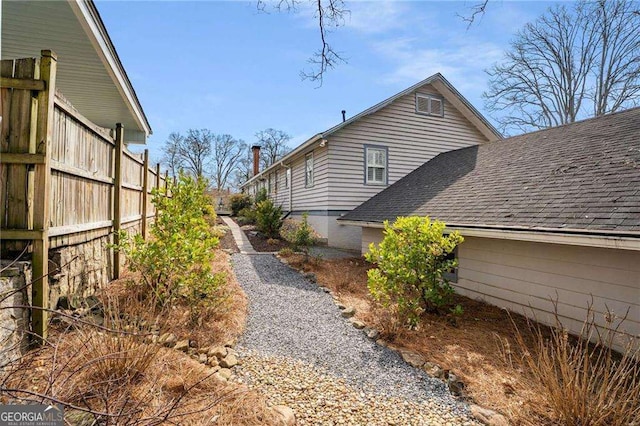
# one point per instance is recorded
(437, 81)
(580, 177)
(90, 74)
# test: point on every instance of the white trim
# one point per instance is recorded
(540, 235)
(114, 68)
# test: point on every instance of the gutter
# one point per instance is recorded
(579, 237)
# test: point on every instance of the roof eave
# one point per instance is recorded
(625, 240)
(286, 159)
(89, 18)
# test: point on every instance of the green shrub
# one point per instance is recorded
(411, 263)
(239, 202)
(261, 196)
(301, 236)
(175, 263)
(268, 218)
(247, 216)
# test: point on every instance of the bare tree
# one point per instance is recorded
(244, 171)
(330, 15)
(227, 151)
(170, 150)
(567, 65)
(196, 151)
(273, 146)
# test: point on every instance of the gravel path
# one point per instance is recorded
(292, 320)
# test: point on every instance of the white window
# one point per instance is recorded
(308, 170)
(429, 105)
(376, 167)
(275, 185)
(287, 178)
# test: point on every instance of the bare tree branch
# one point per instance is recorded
(227, 152)
(567, 65)
(273, 146)
(330, 15)
(475, 11)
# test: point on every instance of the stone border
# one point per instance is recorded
(454, 384)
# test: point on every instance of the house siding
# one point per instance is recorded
(524, 277)
(411, 139)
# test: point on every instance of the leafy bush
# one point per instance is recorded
(175, 263)
(412, 261)
(268, 218)
(301, 235)
(238, 202)
(247, 216)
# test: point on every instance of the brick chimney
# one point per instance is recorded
(256, 159)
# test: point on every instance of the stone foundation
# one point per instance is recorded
(14, 320)
(78, 271)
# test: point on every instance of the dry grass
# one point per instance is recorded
(480, 347)
(585, 383)
(110, 374)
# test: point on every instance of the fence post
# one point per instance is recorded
(166, 182)
(117, 195)
(40, 255)
(145, 193)
(157, 187)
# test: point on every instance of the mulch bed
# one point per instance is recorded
(261, 243)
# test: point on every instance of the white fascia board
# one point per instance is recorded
(549, 236)
(102, 46)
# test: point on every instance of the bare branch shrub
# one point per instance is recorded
(585, 381)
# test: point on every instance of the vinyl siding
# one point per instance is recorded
(524, 277)
(411, 139)
(315, 197)
(312, 198)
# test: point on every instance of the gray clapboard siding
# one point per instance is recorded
(315, 197)
(411, 138)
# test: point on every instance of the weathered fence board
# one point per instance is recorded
(64, 181)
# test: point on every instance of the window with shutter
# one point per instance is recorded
(376, 165)
(429, 105)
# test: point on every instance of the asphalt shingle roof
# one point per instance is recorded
(581, 176)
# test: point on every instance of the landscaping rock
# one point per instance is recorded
(203, 350)
(182, 345)
(348, 312)
(372, 333)
(229, 361)
(287, 414)
(218, 352)
(79, 418)
(455, 385)
(413, 359)
(488, 417)
(202, 358)
(212, 361)
(433, 370)
(168, 340)
(359, 325)
(224, 373)
(325, 289)
(340, 306)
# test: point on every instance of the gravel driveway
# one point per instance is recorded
(291, 319)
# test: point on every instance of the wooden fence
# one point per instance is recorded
(63, 179)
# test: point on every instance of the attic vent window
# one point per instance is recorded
(429, 105)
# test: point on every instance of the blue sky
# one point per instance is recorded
(227, 67)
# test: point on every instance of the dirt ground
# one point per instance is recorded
(263, 244)
(479, 347)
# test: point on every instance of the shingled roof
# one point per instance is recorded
(583, 176)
